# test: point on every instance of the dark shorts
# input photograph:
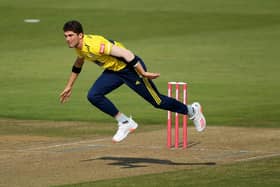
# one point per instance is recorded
(111, 80)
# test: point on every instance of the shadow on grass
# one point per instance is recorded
(131, 162)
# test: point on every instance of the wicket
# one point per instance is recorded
(184, 86)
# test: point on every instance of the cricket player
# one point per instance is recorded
(121, 66)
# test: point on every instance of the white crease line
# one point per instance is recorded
(64, 144)
(259, 157)
(233, 151)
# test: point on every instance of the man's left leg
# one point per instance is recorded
(147, 89)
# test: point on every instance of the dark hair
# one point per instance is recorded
(74, 26)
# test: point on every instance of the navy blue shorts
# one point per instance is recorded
(111, 80)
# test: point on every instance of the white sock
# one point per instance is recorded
(121, 118)
(190, 111)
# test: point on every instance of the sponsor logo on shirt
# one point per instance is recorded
(102, 48)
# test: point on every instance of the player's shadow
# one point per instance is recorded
(131, 162)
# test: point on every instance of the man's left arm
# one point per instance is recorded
(132, 60)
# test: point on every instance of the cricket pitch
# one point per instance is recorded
(44, 161)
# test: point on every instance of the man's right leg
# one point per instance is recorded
(106, 83)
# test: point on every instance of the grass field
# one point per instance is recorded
(228, 52)
(238, 175)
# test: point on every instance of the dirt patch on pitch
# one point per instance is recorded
(44, 161)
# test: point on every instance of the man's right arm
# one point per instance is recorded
(66, 93)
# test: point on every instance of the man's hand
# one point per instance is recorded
(65, 94)
(151, 75)
(139, 68)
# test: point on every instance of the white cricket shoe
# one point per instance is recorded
(198, 118)
(124, 129)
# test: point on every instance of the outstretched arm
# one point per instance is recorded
(130, 57)
(66, 93)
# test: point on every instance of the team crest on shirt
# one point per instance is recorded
(102, 48)
(89, 54)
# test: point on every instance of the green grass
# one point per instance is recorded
(264, 173)
(226, 51)
(71, 130)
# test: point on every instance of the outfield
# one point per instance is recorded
(226, 50)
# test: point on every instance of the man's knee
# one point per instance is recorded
(93, 98)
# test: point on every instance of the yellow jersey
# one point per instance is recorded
(97, 49)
